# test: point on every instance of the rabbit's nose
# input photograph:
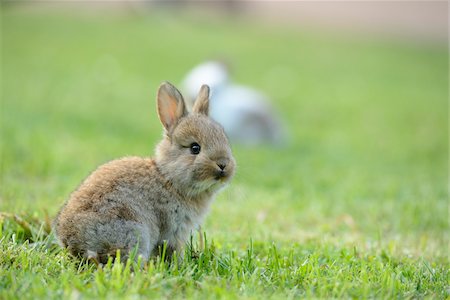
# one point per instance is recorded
(222, 163)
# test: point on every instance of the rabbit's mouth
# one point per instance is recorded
(221, 175)
(210, 180)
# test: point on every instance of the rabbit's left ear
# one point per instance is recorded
(201, 104)
(171, 107)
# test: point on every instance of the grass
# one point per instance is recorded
(354, 206)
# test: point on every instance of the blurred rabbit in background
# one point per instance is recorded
(244, 112)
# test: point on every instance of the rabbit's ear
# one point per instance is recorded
(171, 105)
(201, 104)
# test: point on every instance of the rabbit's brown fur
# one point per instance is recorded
(140, 203)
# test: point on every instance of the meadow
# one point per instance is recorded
(354, 205)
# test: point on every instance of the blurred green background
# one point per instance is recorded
(367, 159)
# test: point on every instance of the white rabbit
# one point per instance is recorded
(244, 112)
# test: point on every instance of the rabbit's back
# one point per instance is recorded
(121, 184)
(124, 190)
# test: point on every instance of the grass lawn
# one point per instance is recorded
(355, 205)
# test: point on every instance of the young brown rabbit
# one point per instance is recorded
(140, 203)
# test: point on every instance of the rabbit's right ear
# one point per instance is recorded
(170, 104)
(201, 104)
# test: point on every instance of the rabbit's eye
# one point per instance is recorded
(195, 148)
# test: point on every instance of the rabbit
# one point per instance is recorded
(141, 203)
(245, 113)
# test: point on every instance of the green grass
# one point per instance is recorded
(355, 205)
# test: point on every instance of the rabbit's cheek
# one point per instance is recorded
(202, 175)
